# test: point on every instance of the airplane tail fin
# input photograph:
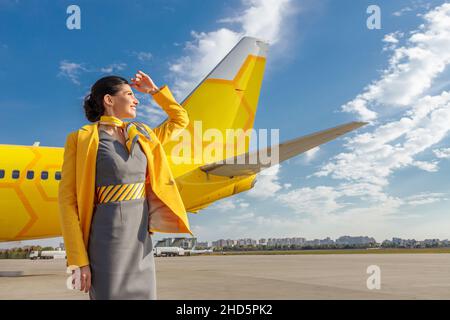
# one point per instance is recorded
(227, 97)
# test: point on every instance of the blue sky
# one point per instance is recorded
(324, 68)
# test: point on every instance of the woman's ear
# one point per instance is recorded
(107, 99)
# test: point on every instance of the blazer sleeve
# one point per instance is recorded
(178, 116)
(68, 210)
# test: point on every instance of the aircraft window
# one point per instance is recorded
(16, 174)
(30, 175)
(44, 175)
(2, 174)
(58, 175)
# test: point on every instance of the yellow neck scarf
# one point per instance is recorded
(129, 129)
(112, 121)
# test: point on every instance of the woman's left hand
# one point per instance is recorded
(143, 83)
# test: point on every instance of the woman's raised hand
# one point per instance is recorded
(143, 83)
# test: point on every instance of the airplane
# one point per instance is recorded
(226, 98)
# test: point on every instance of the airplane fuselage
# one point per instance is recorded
(29, 179)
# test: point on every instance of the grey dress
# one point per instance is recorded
(120, 247)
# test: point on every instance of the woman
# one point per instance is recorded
(117, 189)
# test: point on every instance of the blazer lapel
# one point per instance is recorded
(87, 147)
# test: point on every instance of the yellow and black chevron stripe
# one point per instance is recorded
(120, 192)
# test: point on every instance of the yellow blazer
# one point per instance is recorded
(77, 186)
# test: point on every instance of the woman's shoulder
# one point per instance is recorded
(87, 127)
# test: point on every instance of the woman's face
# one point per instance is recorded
(123, 104)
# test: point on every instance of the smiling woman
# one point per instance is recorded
(109, 207)
(110, 96)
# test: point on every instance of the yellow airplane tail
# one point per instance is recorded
(226, 98)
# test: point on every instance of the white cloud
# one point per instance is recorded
(244, 204)
(224, 205)
(149, 111)
(443, 153)
(411, 69)
(142, 55)
(414, 6)
(425, 198)
(242, 217)
(311, 154)
(151, 114)
(392, 37)
(268, 28)
(203, 53)
(391, 146)
(71, 70)
(113, 67)
(227, 204)
(267, 183)
(279, 225)
(208, 48)
(225, 230)
(313, 201)
(392, 40)
(430, 166)
(402, 11)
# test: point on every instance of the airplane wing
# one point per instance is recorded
(241, 165)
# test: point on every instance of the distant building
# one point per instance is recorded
(223, 243)
(397, 241)
(299, 241)
(348, 240)
(166, 242)
(185, 243)
(401, 243)
(203, 244)
(246, 242)
(431, 242)
(326, 241)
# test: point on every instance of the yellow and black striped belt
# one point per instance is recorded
(120, 192)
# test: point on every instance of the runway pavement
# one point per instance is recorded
(331, 276)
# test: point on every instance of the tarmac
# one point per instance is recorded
(236, 277)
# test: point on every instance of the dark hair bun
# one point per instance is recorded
(92, 110)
